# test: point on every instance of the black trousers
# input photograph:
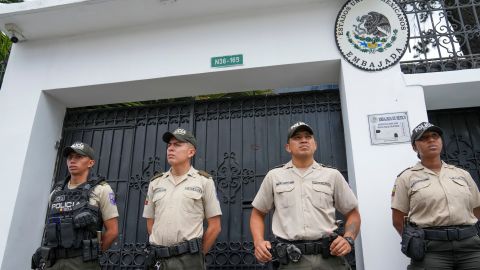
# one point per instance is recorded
(450, 255)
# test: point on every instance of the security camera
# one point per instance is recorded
(14, 39)
(14, 32)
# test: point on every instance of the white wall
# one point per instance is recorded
(373, 168)
(282, 47)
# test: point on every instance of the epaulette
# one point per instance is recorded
(94, 181)
(403, 171)
(327, 166)
(204, 174)
(156, 175)
(279, 166)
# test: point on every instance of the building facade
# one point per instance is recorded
(79, 53)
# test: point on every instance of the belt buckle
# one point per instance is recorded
(309, 249)
(453, 234)
(173, 250)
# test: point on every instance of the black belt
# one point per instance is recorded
(64, 253)
(308, 247)
(191, 246)
(450, 233)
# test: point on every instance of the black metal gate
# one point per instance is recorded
(239, 141)
(461, 144)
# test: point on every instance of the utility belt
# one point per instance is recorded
(47, 256)
(450, 233)
(157, 252)
(285, 251)
(413, 237)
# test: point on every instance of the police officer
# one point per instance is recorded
(78, 210)
(176, 205)
(305, 195)
(440, 200)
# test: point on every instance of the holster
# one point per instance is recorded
(149, 257)
(43, 257)
(279, 251)
(413, 242)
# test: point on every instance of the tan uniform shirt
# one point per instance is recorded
(429, 199)
(179, 209)
(304, 203)
(102, 196)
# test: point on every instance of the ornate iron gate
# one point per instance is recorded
(461, 138)
(239, 140)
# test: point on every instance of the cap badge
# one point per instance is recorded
(179, 131)
(422, 127)
(78, 146)
(298, 124)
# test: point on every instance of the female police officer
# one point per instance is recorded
(440, 201)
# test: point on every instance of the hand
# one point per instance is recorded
(340, 247)
(262, 252)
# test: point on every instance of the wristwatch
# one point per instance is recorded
(350, 241)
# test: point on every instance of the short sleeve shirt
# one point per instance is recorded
(103, 197)
(179, 209)
(430, 199)
(304, 203)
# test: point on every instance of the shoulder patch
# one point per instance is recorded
(158, 174)
(403, 171)
(204, 174)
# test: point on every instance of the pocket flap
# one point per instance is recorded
(284, 187)
(418, 184)
(192, 194)
(322, 187)
(159, 193)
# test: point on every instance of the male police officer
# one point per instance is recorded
(78, 210)
(305, 195)
(176, 204)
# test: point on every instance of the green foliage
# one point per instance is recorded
(5, 45)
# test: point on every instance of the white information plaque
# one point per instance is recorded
(389, 128)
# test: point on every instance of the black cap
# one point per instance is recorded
(297, 127)
(181, 135)
(423, 127)
(79, 148)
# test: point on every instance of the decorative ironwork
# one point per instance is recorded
(444, 35)
(461, 138)
(230, 177)
(238, 142)
(140, 182)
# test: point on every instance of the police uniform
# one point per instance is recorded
(305, 203)
(437, 202)
(178, 210)
(100, 197)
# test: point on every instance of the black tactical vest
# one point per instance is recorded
(71, 219)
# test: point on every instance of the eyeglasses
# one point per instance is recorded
(427, 137)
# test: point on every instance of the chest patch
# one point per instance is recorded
(321, 183)
(195, 188)
(284, 183)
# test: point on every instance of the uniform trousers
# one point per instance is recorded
(450, 255)
(317, 262)
(75, 263)
(187, 261)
